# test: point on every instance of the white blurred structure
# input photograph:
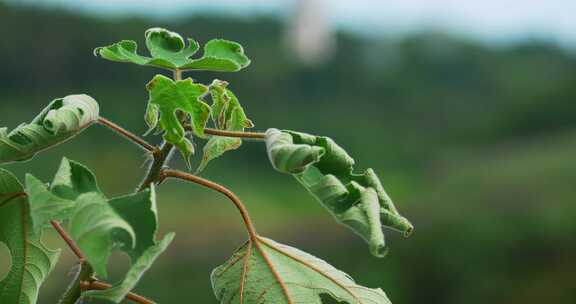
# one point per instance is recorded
(310, 34)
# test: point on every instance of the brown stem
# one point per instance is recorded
(217, 187)
(131, 136)
(155, 169)
(98, 285)
(253, 135)
(69, 241)
(177, 74)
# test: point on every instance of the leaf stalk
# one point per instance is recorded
(69, 241)
(127, 134)
(99, 285)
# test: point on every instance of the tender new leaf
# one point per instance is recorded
(169, 51)
(167, 98)
(227, 114)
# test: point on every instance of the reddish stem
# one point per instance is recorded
(69, 241)
(217, 187)
(98, 285)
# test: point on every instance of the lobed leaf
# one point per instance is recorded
(61, 120)
(358, 201)
(31, 260)
(227, 114)
(169, 51)
(264, 271)
(99, 225)
(168, 97)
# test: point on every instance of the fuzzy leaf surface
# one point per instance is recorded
(227, 114)
(170, 96)
(268, 272)
(358, 201)
(61, 120)
(168, 50)
(99, 225)
(31, 260)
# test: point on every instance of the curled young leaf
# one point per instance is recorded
(227, 114)
(99, 225)
(326, 171)
(169, 51)
(168, 97)
(31, 260)
(266, 272)
(61, 120)
(288, 157)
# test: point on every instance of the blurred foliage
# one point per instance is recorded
(476, 145)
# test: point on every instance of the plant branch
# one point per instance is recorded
(98, 285)
(127, 134)
(160, 159)
(217, 187)
(85, 273)
(177, 74)
(224, 133)
(69, 241)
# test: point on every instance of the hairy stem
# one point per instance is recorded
(127, 134)
(98, 285)
(155, 169)
(224, 133)
(85, 273)
(69, 241)
(217, 187)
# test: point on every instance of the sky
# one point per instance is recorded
(491, 20)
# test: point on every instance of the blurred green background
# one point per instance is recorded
(475, 142)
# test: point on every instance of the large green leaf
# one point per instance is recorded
(227, 114)
(99, 225)
(266, 272)
(168, 97)
(31, 261)
(61, 120)
(358, 201)
(169, 51)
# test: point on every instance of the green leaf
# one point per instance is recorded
(221, 56)
(227, 114)
(169, 51)
(170, 46)
(31, 261)
(358, 201)
(61, 120)
(118, 292)
(152, 117)
(185, 96)
(263, 271)
(99, 225)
